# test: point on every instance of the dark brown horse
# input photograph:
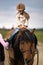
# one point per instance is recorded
(22, 48)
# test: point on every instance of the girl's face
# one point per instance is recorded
(21, 11)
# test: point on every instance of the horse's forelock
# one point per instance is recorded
(24, 35)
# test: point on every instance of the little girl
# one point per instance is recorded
(22, 17)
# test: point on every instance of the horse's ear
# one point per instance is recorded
(33, 31)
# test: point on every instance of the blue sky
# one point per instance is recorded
(8, 12)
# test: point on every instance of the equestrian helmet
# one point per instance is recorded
(20, 7)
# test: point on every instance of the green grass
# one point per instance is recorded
(3, 32)
(39, 34)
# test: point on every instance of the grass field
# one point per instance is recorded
(39, 34)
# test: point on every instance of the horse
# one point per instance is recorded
(22, 48)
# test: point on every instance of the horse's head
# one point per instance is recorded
(26, 45)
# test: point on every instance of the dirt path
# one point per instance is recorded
(40, 48)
